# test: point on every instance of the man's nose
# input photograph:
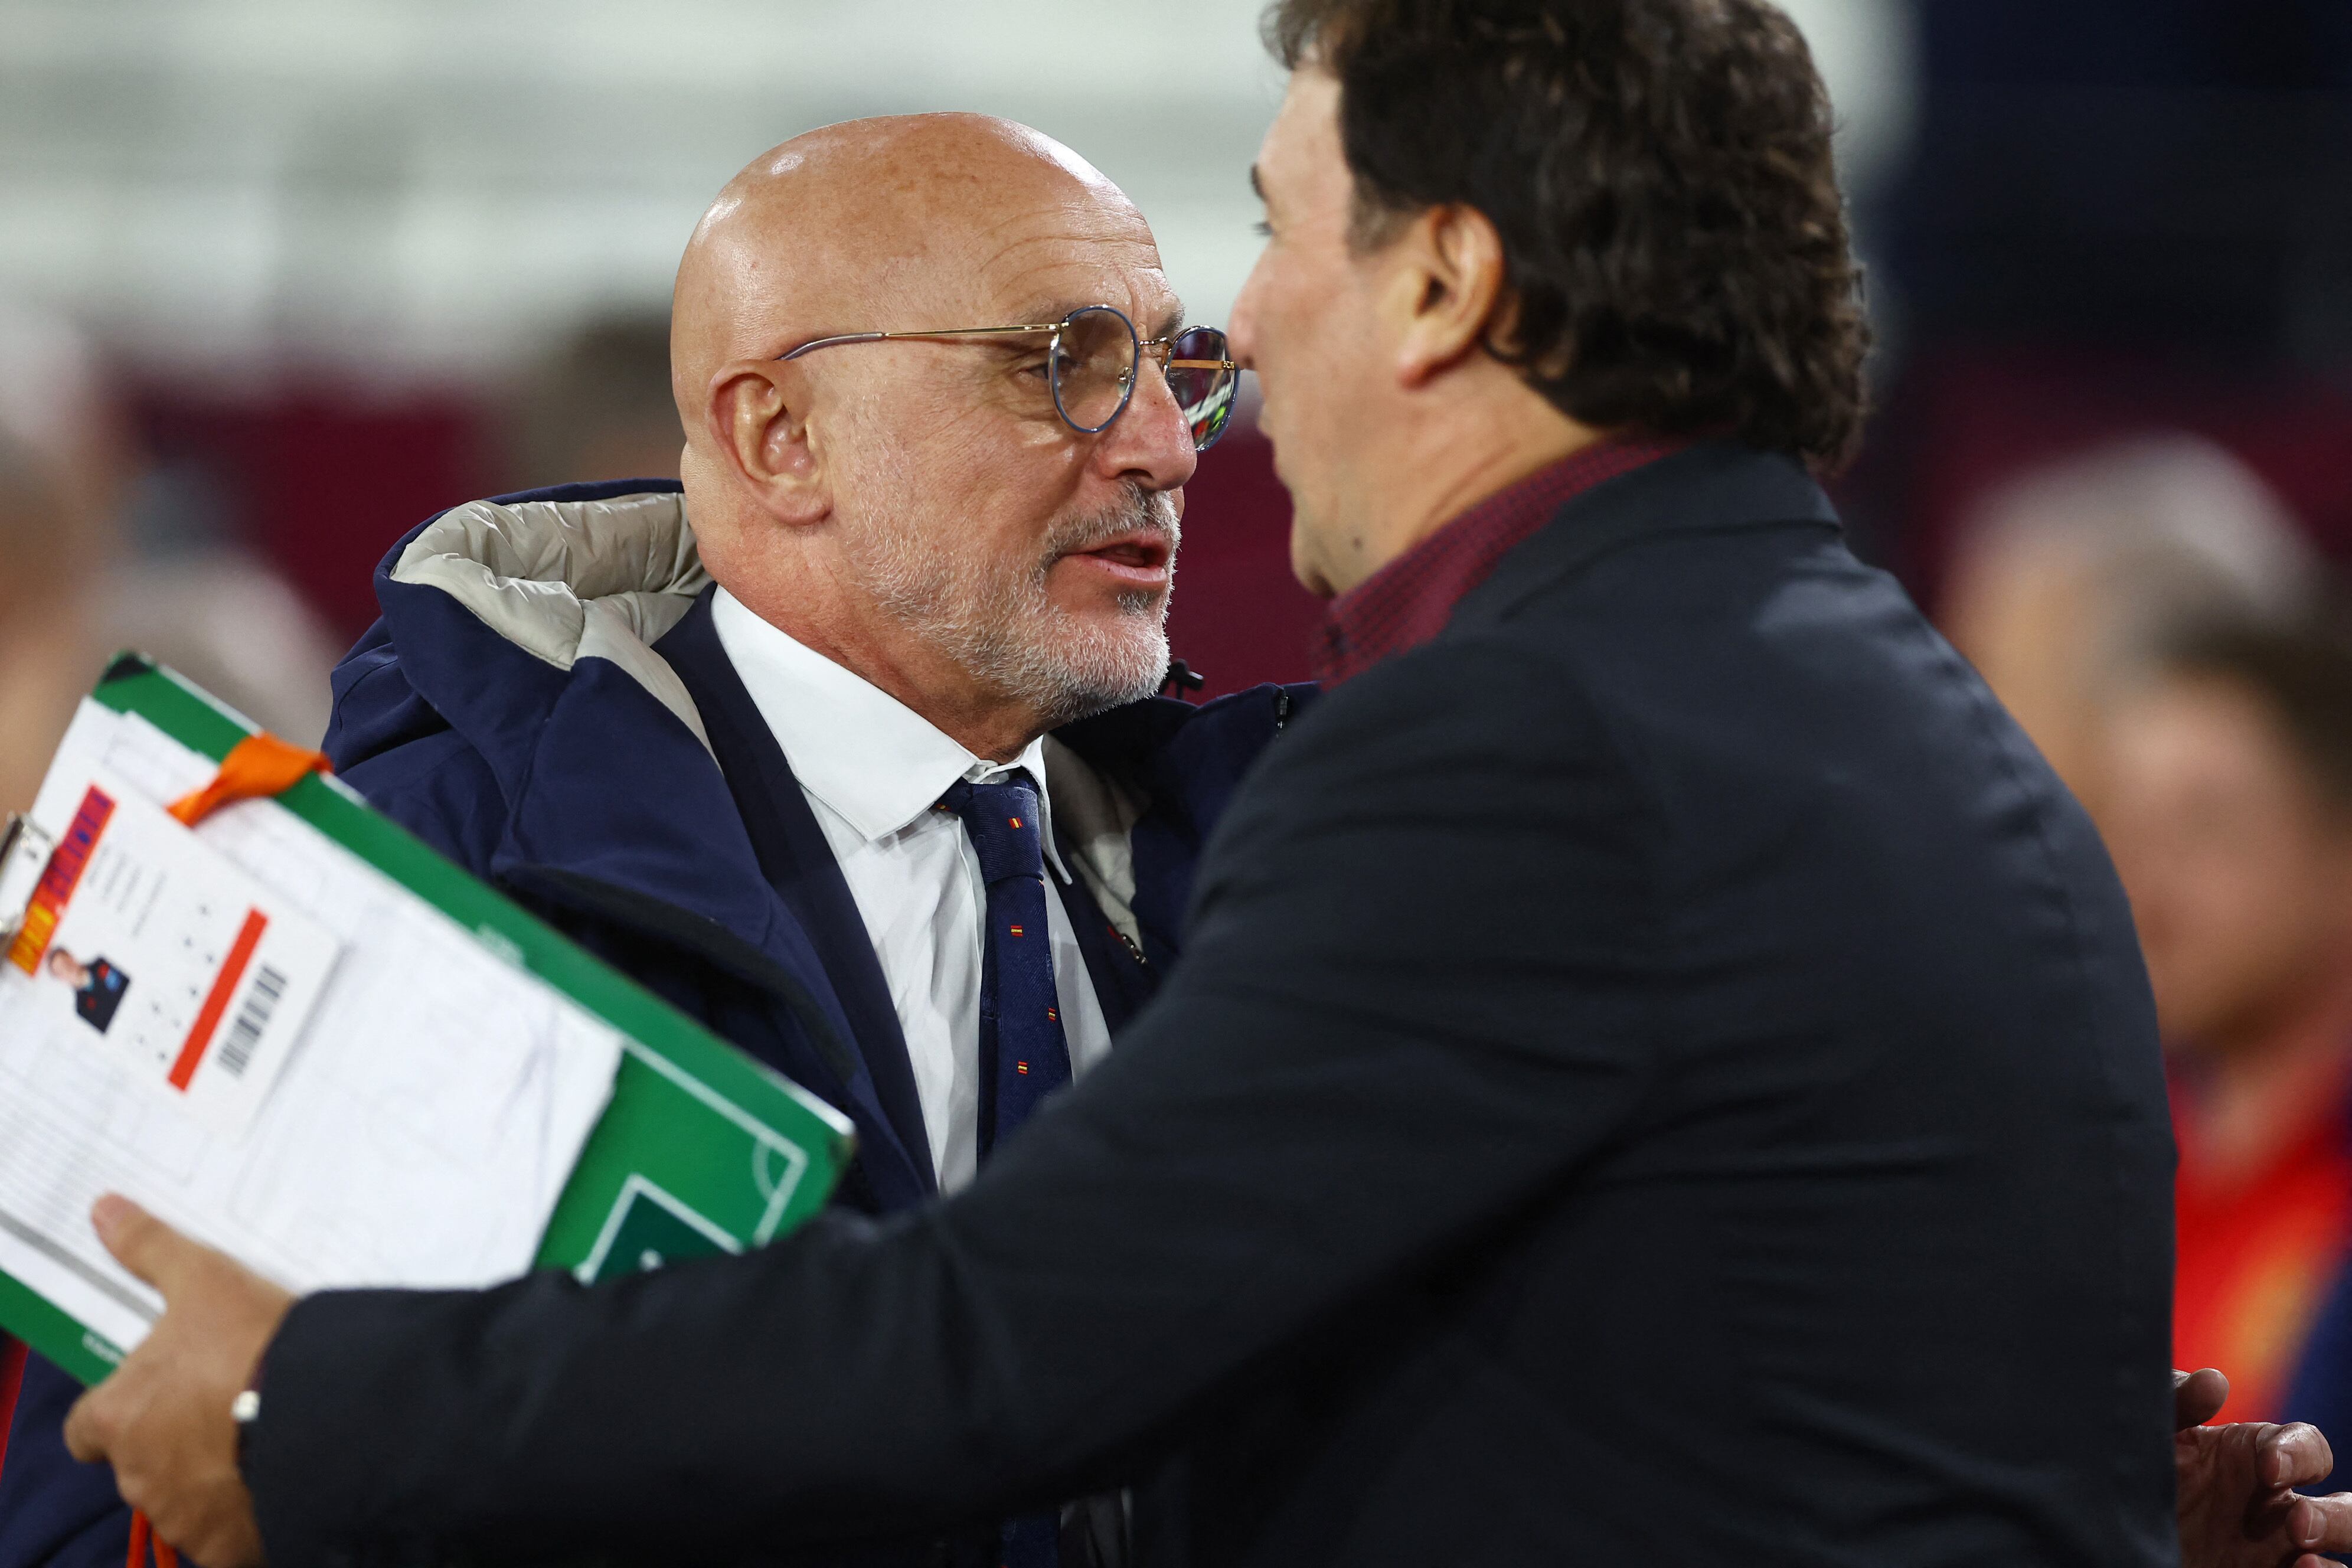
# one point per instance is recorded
(1152, 442)
(1241, 327)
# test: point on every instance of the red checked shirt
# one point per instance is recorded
(1409, 601)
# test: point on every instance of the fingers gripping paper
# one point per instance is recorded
(256, 1032)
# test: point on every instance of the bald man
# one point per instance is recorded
(751, 739)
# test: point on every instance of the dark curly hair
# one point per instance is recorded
(1661, 174)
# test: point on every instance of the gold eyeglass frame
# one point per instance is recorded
(1157, 349)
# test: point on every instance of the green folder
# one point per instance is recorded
(701, 1149)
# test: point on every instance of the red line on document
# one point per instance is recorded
(239, 954)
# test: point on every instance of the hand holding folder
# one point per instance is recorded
(210, 1343)
(297, 1034)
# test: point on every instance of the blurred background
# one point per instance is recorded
(278, 279)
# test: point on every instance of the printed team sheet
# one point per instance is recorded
(265, 1040)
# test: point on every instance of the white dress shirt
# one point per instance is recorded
(872, 769)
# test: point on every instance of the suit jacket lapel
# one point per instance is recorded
(799, 864)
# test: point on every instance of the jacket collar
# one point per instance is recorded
(1714, 487)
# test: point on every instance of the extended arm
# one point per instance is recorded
(1338, 1080)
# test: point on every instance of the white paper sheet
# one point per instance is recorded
(421, 1123)
(179, 969)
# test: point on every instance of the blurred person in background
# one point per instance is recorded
(2071, 578)
(229, 621)
(97, 558)
(2230, 813)
(598, 408)
(63, 471)
(45, 638)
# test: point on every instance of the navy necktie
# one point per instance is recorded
(1023, 1055)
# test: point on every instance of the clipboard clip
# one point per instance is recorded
(24, 853)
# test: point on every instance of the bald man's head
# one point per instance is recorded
(881, 225)
(918, 508)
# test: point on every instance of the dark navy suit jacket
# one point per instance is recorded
(708, 882)
(1662, 1073)
(97, 1003)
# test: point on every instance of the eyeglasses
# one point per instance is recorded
(1091, 360)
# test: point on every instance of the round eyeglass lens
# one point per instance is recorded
(1204, 388)
(1094, 367)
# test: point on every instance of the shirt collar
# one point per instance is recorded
(1408, 602)
(872, 761)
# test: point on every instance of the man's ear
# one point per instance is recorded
(756, 418)
(1446, 293)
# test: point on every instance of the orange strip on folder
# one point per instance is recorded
(239, 954)
(256, 766)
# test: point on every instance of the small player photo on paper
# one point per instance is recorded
(195, 980)
(98, 986)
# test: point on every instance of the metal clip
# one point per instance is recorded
(24, 852)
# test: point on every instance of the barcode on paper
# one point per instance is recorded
(237, 1051)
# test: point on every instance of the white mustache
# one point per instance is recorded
(1152, 512)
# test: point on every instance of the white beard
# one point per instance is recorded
(994, 618)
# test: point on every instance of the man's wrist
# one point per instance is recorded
(245, 1408)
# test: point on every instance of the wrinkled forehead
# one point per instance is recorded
(1041, 265)
(1013, 242)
